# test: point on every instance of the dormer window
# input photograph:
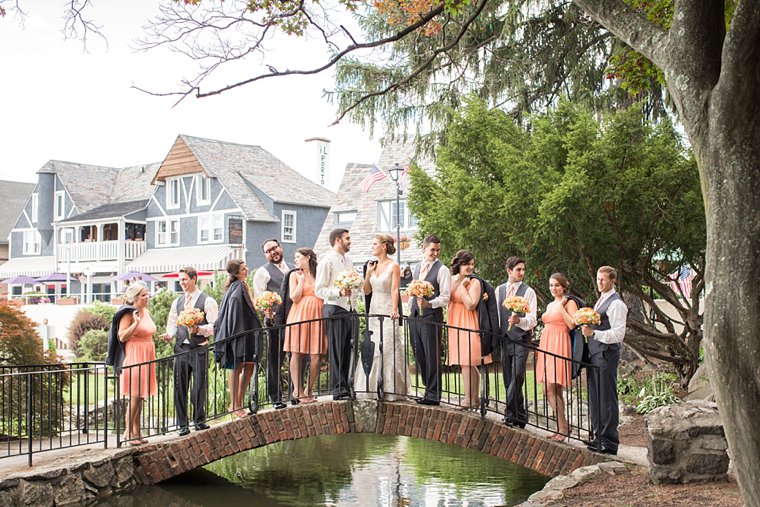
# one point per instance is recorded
(202, 189)
(172, 193)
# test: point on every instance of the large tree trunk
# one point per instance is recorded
(714, 78)
(730, 165)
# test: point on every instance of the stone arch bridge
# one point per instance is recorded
(158, 462)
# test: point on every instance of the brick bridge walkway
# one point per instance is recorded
(155, 463)
(76, 475)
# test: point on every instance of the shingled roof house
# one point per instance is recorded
(207, 202)
(366, 214)
(13, 195)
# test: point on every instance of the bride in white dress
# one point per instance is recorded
(382, 280)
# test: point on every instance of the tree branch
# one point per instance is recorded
(630, 26)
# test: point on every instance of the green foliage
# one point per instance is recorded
(85, 320)
(159, 306)
(103, 310)
(19, 342)
(21, 345)
(657, 392)
(93, 345)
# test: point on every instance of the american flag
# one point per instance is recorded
(406, 170)
(375, 175)
(680, 281)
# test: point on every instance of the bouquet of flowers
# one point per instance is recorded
(419, 289)
(404, 242)
(266, 301)
(586, 317)
(348, 280)
(190, 317)
(517, 304)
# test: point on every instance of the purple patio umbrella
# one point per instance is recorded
(139, 276)
(54, 277)
(20, 280)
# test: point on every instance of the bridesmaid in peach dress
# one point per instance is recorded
(303, 339)
(136, 330)
(555, 373)
(464, 346)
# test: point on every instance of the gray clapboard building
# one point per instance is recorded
(208, 201)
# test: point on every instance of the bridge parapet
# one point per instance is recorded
(159, 462)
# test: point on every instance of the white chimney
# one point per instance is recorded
(322, 155)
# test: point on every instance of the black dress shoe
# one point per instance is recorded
(593, 447)
(201, 426)
(338, 397)
(607, 450)
(425, 401)
(184, 430)
(278, 405)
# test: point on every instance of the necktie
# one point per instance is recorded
(188, 300)
(598, 303)
(424, 270)
(510, 290)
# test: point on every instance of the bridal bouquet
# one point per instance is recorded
(266, 301)
(586, 317)
(518, 305)
(419, 289)
(190, 317)
(348, 280)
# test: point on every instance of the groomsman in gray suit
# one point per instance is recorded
(604, 348)
(515, 341)
(269, 278)
(426, 319)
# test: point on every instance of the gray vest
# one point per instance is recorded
(432, 277)
(182, 334)
(275, 277)
(516, 334)
(595, 346)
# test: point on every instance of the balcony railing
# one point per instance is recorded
(100, 251)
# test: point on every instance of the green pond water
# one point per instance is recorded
(346, 470)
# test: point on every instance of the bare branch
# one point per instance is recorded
(77, 26)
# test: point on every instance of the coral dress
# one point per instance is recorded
(307, 338)
(140, 381)
(463, 346)
(555, 339)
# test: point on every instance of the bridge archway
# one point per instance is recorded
(161, 461)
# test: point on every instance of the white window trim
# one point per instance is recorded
(202, 182)
(211, 217)
(36, 243)
(407, 216)
(59, 213)
(169, 182)
(337, 214)
(35, 207)
(168, 233)
(282, 226)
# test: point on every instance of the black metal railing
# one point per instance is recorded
(46, 407)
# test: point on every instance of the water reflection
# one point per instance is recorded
(350, 470)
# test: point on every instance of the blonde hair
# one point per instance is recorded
(133, 291)
(389, 241)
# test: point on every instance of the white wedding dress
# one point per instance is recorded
(395, 371)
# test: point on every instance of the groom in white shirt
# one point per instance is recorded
(604, 348)
(337, 305)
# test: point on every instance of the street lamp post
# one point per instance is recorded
(395, 173)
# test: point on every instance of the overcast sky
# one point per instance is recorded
(60, 102)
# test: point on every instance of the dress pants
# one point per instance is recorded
(191, 364)
(339, 333)
(426, 344)
(514, 358)
(603, 397)
(275, 355)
